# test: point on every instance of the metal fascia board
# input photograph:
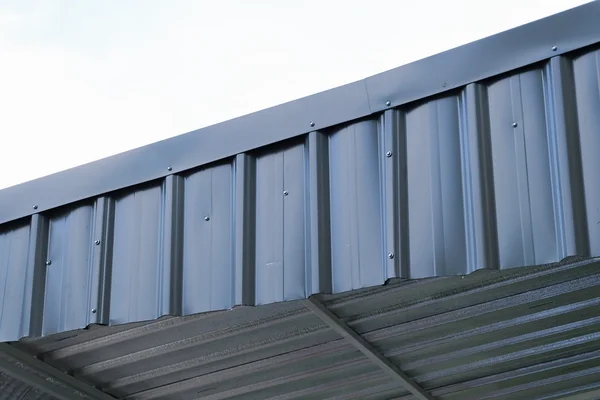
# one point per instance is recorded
(506, 51)
(484, 58)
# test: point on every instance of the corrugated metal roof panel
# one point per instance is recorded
(498, 174)
(357, 250)
(69, 270)
(208, 240)
(11, 389)
(526, 333)
(443, 180)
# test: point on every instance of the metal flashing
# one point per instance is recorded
(540, 40)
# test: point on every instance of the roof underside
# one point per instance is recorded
(481, 159)
(527, 333)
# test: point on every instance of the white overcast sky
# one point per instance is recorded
(82, 80)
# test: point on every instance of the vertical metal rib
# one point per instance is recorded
(563, 128)
(395, 199)
(36, 277)
(245, 210)
(481, 229)
(364, 347)
(172, 245)
(104, 210)
(319, 280)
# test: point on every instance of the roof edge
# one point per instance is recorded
(527, 44)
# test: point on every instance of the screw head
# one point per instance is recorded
(48, 262)
(388, 154)
(97, 242)
(285, 192)
(35, 207)
(312, 124)
(514, 124)
(391, 256)
(169, 168)
(388, 103)
(207, 218)
(554, 48)
(93, 311)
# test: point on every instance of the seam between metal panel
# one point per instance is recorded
(364, 347)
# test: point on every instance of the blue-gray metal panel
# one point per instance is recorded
(461, 190)
(528, 185)
(506, 178)
(509, 187)
(541, 169)
(478, 181)
(280, 230)
(14, 245)
(103, 235)
(357, 249)
(137, 280)
(558, 34)
(208, 240)
(587, 88)
(435, 197)
(568, 191)
(68, 302)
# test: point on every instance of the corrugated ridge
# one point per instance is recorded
(517, 346)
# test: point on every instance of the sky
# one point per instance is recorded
(81, 80)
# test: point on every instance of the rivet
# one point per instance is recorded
(97, 242)
(169, 168)
(207, 218)
(93, 311)
(391, 255)
(514, 124)
(35, 207)
(388, 154)
(388, 103)
(554, 48)
(285, 192)
(48, 262)
(312, 124)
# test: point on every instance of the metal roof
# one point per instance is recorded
(526, 333)
(479, 158)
